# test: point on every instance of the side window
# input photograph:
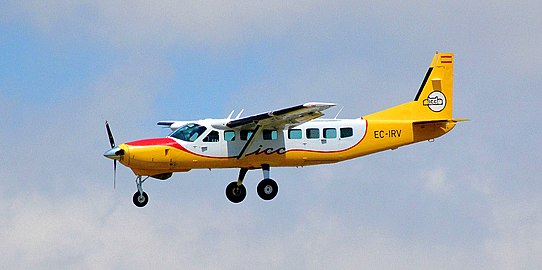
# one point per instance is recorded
(229, 135)
(313, 133)
(270, 135)
(347, 132)
(330, 133)
(246, 134)
(294, 134)
(212, 137)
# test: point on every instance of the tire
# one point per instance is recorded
(140, 201)
(267, 189)
(234, 193)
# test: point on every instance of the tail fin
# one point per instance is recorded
(434, 98)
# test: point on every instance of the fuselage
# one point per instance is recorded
(206, 144)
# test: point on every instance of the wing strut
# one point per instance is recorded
(256, 133)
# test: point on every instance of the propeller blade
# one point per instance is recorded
(114, 174)
(110, 135)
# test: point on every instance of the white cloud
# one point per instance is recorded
(436, 181)
(91, 230)
(164, 23)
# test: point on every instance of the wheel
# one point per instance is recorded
(235, 193)
(140, 200)
(267, 189)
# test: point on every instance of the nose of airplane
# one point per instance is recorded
(114, 153)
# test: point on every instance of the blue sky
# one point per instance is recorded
(470, 200)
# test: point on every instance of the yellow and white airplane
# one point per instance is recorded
(293, 136)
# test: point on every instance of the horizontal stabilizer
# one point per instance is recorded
(437, 121)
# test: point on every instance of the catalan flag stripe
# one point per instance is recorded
(446, 59)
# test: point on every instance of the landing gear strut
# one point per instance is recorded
(140, 198)
(236, 191)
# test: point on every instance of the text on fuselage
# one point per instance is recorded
(392, 133)
(268, 151)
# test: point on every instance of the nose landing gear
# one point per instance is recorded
(140, 198)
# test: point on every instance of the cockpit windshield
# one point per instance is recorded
(188, 132)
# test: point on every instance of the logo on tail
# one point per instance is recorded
(436, 101)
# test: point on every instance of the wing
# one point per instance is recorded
(279, 119)
(287, 117)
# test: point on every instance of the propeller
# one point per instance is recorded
(114, 153)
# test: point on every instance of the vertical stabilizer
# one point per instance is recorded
(434, 98)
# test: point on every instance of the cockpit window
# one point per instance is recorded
(188, 132)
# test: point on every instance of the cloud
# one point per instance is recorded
(91, 230)
(435, 181)
(164, 23)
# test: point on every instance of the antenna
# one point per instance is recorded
(229, 116)
(239, 115)
(339, 112)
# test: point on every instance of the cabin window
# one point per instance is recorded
(188, 132)
(294, 134)
(246, 134)
(270, 135)
(330, 133)
(229, 135)
(347, 132)
(212, 137)
(312, 133)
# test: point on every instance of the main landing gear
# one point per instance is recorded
(267, 188)
(236, 191)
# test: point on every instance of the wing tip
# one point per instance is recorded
(165, 123)
(319, 104)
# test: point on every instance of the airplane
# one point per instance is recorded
(293, 136)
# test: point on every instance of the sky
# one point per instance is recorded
(469, 200)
